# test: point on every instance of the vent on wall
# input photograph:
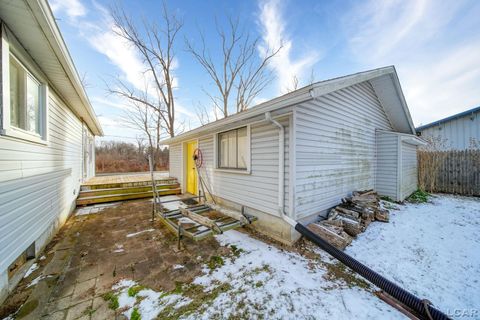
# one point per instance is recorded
(25, 256)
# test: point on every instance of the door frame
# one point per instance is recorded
(185, 169)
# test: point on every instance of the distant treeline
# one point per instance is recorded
(114, 156)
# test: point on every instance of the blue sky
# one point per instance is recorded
(435, 46)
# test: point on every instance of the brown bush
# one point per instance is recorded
(114, 156)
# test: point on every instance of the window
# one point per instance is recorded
(233, 149)
(25, 99)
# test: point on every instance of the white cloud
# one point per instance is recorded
(73, 8)
(97, 28)
(433, 45)
(274, 35)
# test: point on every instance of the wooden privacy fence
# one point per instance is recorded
(455, 172)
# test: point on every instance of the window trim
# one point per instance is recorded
(216, 147)
(12, 49)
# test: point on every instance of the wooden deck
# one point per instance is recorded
(128, 186)
(125, 178)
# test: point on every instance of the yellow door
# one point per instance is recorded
(191, 171)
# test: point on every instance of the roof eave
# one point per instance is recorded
(52, 32)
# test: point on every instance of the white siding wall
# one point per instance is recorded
(38, 183)
(335, 147)
(387, 163)
(409, 176)
(175, 162)
(257, 190)
(458, 134)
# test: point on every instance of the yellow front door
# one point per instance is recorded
(191, 171)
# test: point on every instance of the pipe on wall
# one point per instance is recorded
(281, 169)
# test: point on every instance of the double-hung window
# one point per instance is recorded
(24, 93)
(233, 149)
(25, 99)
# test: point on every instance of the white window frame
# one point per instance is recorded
(11, 48)
(249, 151)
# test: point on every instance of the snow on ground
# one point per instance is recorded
(139, 232)
(32, 268)
(430, 249)
(171, 205)
(83, 211)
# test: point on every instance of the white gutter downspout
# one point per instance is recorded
(281, 169)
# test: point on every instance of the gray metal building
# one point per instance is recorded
(458, 132)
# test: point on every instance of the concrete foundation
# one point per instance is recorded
(6, 284)
(270, 225)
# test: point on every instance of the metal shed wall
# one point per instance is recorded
(335, 147)
(456, 134)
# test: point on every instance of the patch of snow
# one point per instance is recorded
(35, 281)
(276, 284)
(432, 250)
(178, 266)
(151, 302)
(139, 232)
(171, 205)
(32, 268)
(187, 220)
(118, 250)
(94, 208)
(42, 258)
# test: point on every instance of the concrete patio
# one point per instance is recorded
(96, 248)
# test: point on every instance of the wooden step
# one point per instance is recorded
(87, 186)
(125, 190)
(125, 196)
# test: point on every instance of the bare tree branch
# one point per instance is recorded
(155, 45)
(240, 75)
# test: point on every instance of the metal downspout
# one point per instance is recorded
(281, 169)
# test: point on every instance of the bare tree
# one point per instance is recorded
(240, 74)
(155, 45)
(148, 121)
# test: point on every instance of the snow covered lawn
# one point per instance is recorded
(430, 249)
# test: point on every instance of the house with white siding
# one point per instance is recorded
(297, 155)
(47, 133)
(458, 132)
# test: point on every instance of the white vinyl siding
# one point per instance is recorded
(259, 188)
(39, 183)
(175, 162)
(409, 179)
(335, 147)
(387, 163)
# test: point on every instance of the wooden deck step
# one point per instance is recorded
(114, 191)
(162, 181)
(82, 201)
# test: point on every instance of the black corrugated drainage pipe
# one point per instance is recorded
(386, 285)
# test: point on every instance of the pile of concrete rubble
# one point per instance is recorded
(353, 216)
